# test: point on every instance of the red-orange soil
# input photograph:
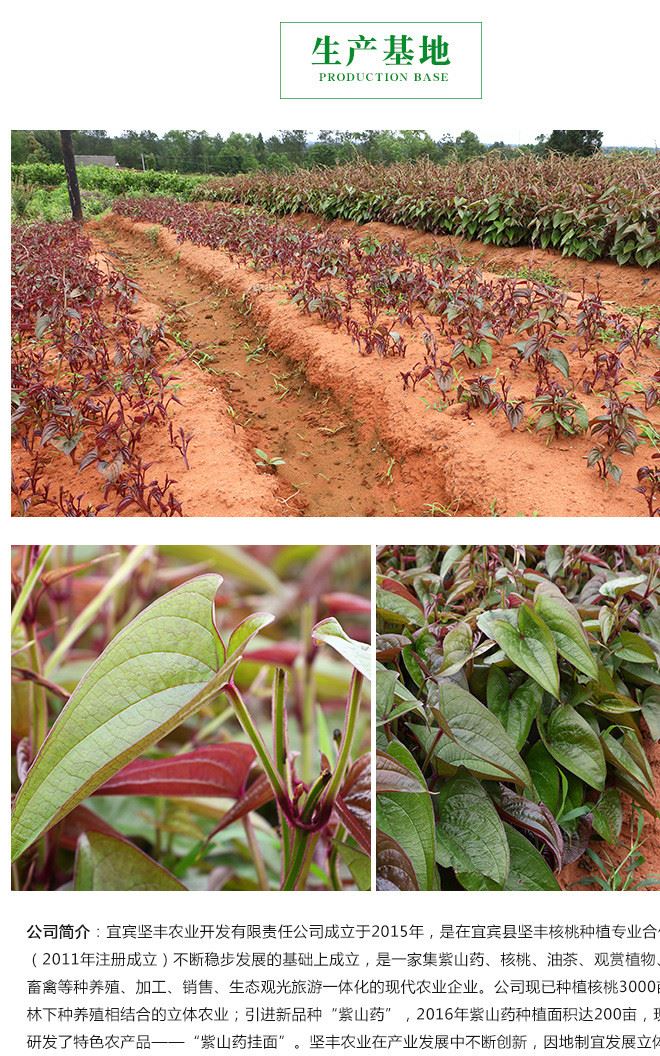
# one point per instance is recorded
(353, 442)
(409, 455)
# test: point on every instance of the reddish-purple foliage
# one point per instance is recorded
(85, 378)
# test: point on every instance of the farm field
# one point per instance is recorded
(263, 365)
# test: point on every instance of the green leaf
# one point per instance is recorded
(394, 776)
(155, 673)
(554, 560)
(104, 863)
(608, 816)
(529, 645)
(571, 741)
(395, 609)
(408, 818)
(621, 585)
(545, 776)
(452, 556)
(606, 623)
(633, 648)
(245, 632)
(566, 627)
(477, 731)
(449, 757)
(470, 835)
(332, 633)
(651, 711)
(392, 697)
(357, 862)
(529, 870)
(627, 755)
(497, 693)
(519, 712)
(456, 649)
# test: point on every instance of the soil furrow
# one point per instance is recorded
(331, 464)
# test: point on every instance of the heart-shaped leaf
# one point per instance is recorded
(651, 711)
(456, 649)
(627, 755)
(633, 648)
(477, 731)
(104, 863)
(529, 870)
(571, 741)
(518, 712)
(534, 818)
(545, 776)
(565, 625)
(529, 645)
(151, 677)
(392, 776)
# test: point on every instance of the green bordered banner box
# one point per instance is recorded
(381, 60)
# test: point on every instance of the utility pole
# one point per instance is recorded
(71, 175)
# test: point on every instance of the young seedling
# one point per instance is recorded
(267, 462)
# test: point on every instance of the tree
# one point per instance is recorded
(581, 142)
(71, 175)
(468, 146)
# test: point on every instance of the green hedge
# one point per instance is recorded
(114, 181)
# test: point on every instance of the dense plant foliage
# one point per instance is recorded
(594, 207)
(515, 689)
(209, 753)
(112, 181)
(86, 379)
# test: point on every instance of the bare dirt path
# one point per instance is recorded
(332, 465)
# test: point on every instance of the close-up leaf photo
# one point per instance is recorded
(518, 718)
(190, 718)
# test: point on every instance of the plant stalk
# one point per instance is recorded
(85, 618)
(255, 851)
(350, 720)
(257, 741)
(281, 756)
(308, 691)
(29, 584)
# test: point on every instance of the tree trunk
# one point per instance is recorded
(71, 175)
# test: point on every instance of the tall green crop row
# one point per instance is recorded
(592, 208)
(113, 181)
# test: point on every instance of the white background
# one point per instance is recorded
(201, 65)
